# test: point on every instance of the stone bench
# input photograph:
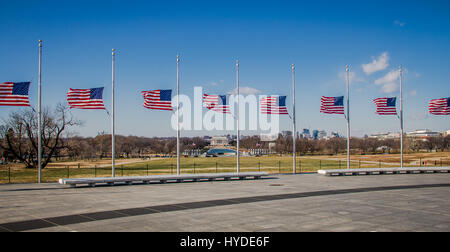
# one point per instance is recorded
(73, 182)
(381, 171)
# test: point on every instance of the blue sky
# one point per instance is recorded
(319, 37)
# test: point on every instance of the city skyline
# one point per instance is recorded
(266, 39)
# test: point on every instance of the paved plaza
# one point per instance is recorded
(302, 202)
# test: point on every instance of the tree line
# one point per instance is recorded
(133, 146)
(362, 146)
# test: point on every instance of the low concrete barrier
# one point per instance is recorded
(381, 171)
(73, 182)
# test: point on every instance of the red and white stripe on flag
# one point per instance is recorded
(332, 105)
(14, 94)
(440, 106)
(271, 105)
(385, 106)
(213, 103)
(157, 99)
(85, 98)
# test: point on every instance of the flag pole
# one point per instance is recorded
(237, 118)
(348, 117)
(401, 117)
(294, 130)
(40, 114)
(178, 115)
(113, 140)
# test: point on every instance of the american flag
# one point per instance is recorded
(158, 99)
(14, 94)
(386, 106)
(274, 105)
(440, 106)
(216, 103)
(86, 98)
(332, 105)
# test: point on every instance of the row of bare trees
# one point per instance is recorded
(365, 145)
(126, 146)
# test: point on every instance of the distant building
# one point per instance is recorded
(232, 138)
(268, 138)
(272, 146)
(260, 152)
(446, 133)
(207, 139)
(220, 153)
(315, 134)
(219, 141)
(334, 134)
(192, 152)
(423, 133)
(322, 134)
(387, 135)
(286, 133)
(306, 134)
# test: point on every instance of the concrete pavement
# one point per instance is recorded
(303, 202)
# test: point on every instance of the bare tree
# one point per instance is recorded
(79, 147)
(336, 145)
(19, 134)
(103, 144)
(446, 143)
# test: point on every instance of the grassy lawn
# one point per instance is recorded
(271, 164)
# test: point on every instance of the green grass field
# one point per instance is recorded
(272, 164)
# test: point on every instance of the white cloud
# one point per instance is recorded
(377, 64)
(245, 91)
(216, 83)
(418, 115)
(399, 23)
(389, 83)
(352, 75)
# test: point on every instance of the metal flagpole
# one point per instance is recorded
(294, 130)
(401, 118)
(113, 140)
(348, 117)
(178, 115)
(238, 169)
(39, 159)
